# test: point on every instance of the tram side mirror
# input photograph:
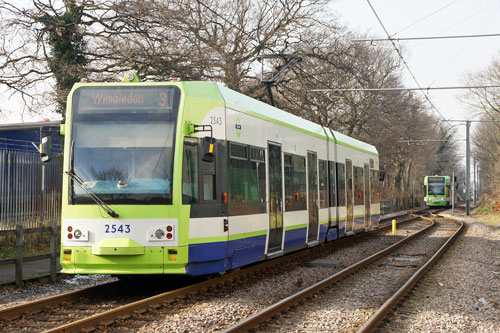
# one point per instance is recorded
(208, 149)
(381, 175)
(46, 149)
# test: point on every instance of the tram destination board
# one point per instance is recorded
(149, 99)
(436, 179)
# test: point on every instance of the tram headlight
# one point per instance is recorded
(159, 233)
(78, 233)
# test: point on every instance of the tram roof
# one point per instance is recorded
(243, 103)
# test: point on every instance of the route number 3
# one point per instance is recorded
(163, 99)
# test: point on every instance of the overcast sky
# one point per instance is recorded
(435, 63)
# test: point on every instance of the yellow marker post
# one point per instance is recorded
(393, 227)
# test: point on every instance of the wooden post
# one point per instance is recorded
(19, 255)
(53, 251)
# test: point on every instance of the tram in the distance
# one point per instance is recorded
(437, 191)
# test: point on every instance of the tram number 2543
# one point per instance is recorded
(117, 228)
(216, 121)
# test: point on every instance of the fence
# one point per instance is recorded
(399, 203)
(30, 204)
(30, 193)
(20, 233)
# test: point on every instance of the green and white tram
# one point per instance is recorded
(437, 191)
(194, 178)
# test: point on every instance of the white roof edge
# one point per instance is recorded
(241, 102)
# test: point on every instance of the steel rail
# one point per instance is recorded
(375, 319)
(53, 301)
(284, 304)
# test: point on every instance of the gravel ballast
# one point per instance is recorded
(463, 292)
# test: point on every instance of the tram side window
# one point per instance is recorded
(258, 174)
(358, 186)
(323, 184)
(290, 195)
(238, 170)
(295, 183)
(341, 184)
(208, 185)
(190, 172)
(299, 164)
(375, 188)
(261, 172)
(247, 180)
(331, 181)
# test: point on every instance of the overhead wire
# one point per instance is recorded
(404, 61)
(424, 18)
(460, 22)
(450, 62)
(371, 40)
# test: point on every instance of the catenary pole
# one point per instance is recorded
(467, 169)
(453, 192)
(475, 184)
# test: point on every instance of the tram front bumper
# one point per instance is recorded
(153, 260)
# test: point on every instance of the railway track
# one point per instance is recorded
(82, 310)
(358, 297)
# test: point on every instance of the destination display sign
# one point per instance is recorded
(436, 179)
(145, 99)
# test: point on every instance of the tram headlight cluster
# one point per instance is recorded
(162, 233)
(77, 234)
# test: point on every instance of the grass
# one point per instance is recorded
(33, 245)
(487, 215)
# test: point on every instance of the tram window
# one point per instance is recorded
(257, 154)
(238, 180)
(331, 182)
(209, 187)
(190, 171)
(247, 180)
(289, 189)
(358, 186)
(261, 171)
(239, 151)
(295, 183)
(258, 166)
(323, 184)
(208, 178)
(375, 187)
(341, 184)
(300, 174)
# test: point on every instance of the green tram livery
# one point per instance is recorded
(437, 191)
(194, 178)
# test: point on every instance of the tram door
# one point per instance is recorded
(367, 195)
(275, 199)
(312, 179)
(350, 208)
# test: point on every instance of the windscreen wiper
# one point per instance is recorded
(92, 194)
(87, 189)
